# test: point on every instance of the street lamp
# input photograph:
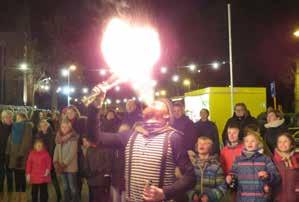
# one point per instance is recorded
(163, 70)
(215, 65)
(175, 78)
(24, 68)
(296, 33)
(163, 92)
(192, 67)
(84, 90)
(67, 73)
(187, 83)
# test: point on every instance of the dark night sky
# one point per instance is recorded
(196, 31)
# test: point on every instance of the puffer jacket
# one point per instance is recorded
(67, 154)
(209, 179)
(37, 164)
(289, 179)
(250, 187)
(18, 148)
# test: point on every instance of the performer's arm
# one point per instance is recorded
(187, 181)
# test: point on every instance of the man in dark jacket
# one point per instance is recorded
(185, 125)
(5, 131)
(147, 178)
(207, 128)
(241, 117)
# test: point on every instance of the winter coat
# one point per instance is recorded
(186, 126)
(249, 186)
(5, 131)
(18, 147)
(110, 125)
(272, 132)
(48, 139)
(242, 122)
(228, 155)
(67, 153)
(208, 129)
(289, 179)
(209, 179)
(96, 163)
(36, 166)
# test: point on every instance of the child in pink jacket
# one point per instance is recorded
(38, 167)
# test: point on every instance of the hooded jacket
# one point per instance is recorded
(228, 155)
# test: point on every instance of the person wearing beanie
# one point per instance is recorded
(153, 150)
(254, 172)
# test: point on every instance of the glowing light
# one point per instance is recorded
(58, 90)
(215, 65)
(186, 82)
(85, 90)
(24, 67)
(154, 83)
(73, 67)
(192, 67)
(66, 90)
(198, 70)
(175, 78)
(108, 101)
(163, 70)
(163, 92)
(117, 101)
(117, 88)
(125, 100)
(133, 98)
(157, 94)
(65, 72)
(47, 88)
(131, 51)
(296, 33)
(103, 72)
(76, 100)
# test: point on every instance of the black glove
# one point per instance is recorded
(19, 162)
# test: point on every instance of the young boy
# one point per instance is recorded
(210, 183)
(254, 171)
(232, 149)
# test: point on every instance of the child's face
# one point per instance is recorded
(38, 146)
(203, 146)
(71, 114)
(271, 117)
(65, 128)
(233, 135)
(251, 143)
(44, 127)
(284, 144)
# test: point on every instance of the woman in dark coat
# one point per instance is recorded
(275, 125)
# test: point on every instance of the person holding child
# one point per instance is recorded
(38, 168)
(255, 172)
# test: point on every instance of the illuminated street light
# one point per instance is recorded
(72, 89)
(296, 33)
(72, 67)
(24, 67)
(157, 94)
(117, 88)
(84, 90)
(133, 98)
(125, 100)
(192, 67)
(117, 101)
(65, 72)
(186, 82)
(163, 70)
(46, 87)
(198, 70)
(108, 101)
(154, 83)
(175, 78)
(163, 92)
(76, 100)
(58, 90)
(215, 65)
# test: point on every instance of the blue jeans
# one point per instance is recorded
(70, 187)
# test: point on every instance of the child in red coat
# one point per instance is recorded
(287, 163)
(38, 167)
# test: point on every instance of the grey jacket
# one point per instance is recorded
(67, 154)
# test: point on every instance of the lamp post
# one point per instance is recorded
(24, 68)
(67, 73)
(230, 59)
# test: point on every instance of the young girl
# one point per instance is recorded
(66, 160)
(287, 163)
(254, 171)
(38, 167)
(210, 183)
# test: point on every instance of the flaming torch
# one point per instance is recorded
(131, 51)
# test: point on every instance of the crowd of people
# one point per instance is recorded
(151, 154)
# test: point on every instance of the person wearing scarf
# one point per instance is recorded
(146, 178)
(287, 163)
(255, 172)
(210, 182)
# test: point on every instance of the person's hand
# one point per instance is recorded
(47, 172)
(100, 91)
(263, 174)
(204, 198)
(229, 179)
(266, 189)
(153, 194)
(28, 178)
(85, 143)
